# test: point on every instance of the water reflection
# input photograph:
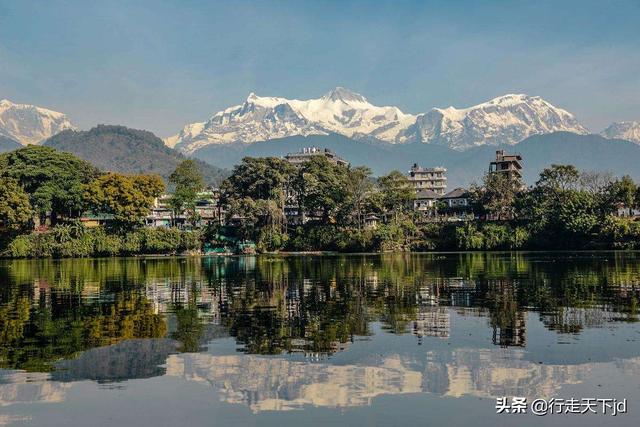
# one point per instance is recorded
(323, 331)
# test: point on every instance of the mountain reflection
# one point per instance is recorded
(118, 319)
(280, 384)
(265, 383)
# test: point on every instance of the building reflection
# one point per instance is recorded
(117, 320)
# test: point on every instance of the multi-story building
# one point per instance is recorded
(509, 164)
(301, 157)
(433, 179)
(208, 210)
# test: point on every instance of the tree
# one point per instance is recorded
(259, 188)
(188, 182)
(127, 197)
(496, 196)
(53, 180)
(321, 188)
(622, 191)
(561, 210)
(397, 193)
(559, 178)
(259, 178)
(15, 209)
(360, 196)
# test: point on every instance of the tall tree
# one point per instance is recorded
(397, 193)
(496, 196)
(15, 209)
(360, 196)
(623, 191)
(321, 188)
(558, 178)
(188, 182)
(127, 197)
(53, 180)
(267, 182)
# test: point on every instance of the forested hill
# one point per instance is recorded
(120, 149)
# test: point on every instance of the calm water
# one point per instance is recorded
(422, 339)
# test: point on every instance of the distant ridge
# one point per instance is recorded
(623, 130)
(8, 144)
(587, 152)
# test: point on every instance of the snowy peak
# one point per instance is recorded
(262, 118)
(506, 119)
(344, 95)
(28, 124)
(623, 130)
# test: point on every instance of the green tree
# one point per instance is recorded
(496, 196)
(127, 197)
(257, 192)
(53, 180)
(622, 191)
(562, 213)
(397, 193)
(361, 196)
(559, 178)
(15, 209)
(322, 188)
(188, 182)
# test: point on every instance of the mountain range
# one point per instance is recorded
(384, 138)
(507, 120)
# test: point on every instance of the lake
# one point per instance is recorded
(391, 339)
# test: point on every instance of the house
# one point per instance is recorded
(300, 158)
(457, 199)
(207, 209)
(432, 179)
(425, 200)
(371, 222)
(92, 219)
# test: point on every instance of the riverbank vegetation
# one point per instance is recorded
(565, 209)
(316, 206)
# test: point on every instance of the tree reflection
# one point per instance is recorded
(50, 310)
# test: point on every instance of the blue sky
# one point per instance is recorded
(158, 65)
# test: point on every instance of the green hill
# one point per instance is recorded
(120, 149)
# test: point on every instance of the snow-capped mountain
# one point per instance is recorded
(507, 119)
(28, 124)
(262, 118)
(623, 130)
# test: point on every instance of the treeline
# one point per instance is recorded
(566, 209)
(44, 193)
(316, 206)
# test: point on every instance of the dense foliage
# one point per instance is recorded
(54, 181)
(73, 240)
(315, 206)
(127, 197)
(566, 208)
